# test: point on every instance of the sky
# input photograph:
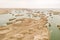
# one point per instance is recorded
(29, 3)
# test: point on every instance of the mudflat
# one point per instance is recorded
(26, 29)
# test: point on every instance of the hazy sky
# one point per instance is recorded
(29, 4)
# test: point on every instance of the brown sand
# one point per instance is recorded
(26, 29)
(29, 29)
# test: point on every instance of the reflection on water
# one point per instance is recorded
(4, 18)
(55, 34)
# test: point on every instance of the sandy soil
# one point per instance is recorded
(26, 29)
(4, 11)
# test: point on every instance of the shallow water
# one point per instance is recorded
(55, 32)
(4, 18)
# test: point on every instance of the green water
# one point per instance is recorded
(54, 31)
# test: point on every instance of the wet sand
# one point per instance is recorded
(26, 28)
